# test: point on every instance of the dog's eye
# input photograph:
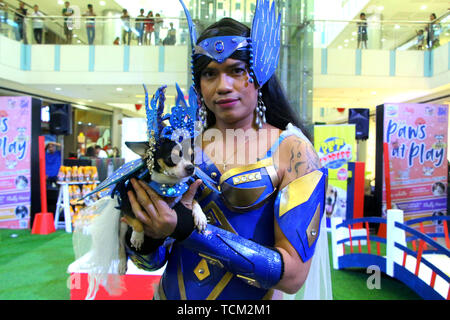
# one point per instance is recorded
(180, 154)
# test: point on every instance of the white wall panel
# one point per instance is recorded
(409, 63)
(176, 59)
(375, 62)
(441, 59)
(109, 58)
(9, 52)
(341, 62)
(144, 58)
(74, 58)
(43, 58)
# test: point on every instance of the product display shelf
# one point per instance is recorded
(64, 203)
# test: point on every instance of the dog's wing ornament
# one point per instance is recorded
(121, 174)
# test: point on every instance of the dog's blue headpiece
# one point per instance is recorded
(263, 43)
(181, 119)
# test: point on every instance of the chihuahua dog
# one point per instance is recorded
(171, 167)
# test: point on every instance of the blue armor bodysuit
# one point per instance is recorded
(235, 258)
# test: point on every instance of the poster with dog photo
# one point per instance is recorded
(416, 135)
(336, 146)
(15, 174)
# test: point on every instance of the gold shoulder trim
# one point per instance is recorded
(299, 191)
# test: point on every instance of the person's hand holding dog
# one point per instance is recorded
(158, 218)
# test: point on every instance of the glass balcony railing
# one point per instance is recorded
(380, 35)
(82, 30)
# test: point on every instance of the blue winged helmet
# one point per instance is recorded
(263, 43)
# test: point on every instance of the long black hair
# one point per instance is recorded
(278, 109)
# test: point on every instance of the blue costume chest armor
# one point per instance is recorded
(210, 280)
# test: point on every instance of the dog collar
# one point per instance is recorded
(169, 190)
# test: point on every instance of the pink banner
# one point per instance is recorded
(15, 165)
(417, 138)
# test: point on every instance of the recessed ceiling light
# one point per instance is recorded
(340, 47)
(102, 3)
(381, 8)
(119, 89)
(79, 122)
(58, 89)
(61, 2)
(374, 92)
(423, 7)
(397, 26)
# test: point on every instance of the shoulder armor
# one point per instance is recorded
(299, 208)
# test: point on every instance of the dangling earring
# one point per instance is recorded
(203, 114)
(260, 112)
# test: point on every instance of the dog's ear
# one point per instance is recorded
(139, 147)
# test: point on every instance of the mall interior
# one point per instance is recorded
(83, 75)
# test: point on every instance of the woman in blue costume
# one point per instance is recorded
(265, 234)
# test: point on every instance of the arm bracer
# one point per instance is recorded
(255, 264)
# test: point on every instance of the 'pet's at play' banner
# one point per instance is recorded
(15, 174)
(336, 146)
(417, 142)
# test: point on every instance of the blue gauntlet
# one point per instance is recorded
(256, 264)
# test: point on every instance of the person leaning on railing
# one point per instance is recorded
(126, 29)
(19, 18)
(67, 12)
(37, 23)
(90, 24)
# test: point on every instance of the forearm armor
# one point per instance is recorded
(256, 264)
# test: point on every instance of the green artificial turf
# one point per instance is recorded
(33, 267)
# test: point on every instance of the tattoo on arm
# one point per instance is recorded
(299, 159)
